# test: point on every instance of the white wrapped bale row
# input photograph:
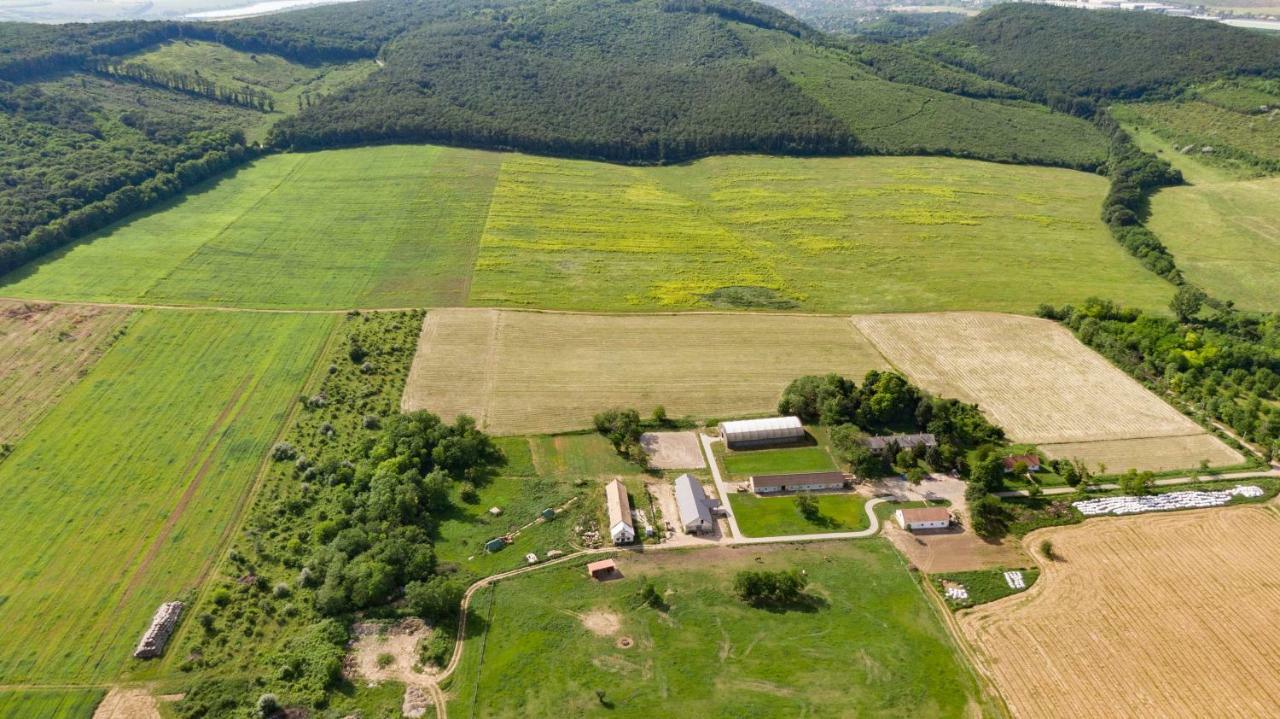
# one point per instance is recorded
(1015, 580)
(157, 635)
(958, 593)
(1163, 502)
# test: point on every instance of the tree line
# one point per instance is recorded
(192, 84)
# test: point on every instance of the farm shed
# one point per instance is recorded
(602, 570)
(901, 441)
(693, 505)
(800, 482)
(926, 518)
(157, 635)
(757, 432)
(619, 506)
(1031, 460)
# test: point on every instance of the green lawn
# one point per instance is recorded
(50, 703)
(777, 516)
(120, 497)
(373, 227)
(778, 461)
(860, 234)
(869, 644)
(1225, 237)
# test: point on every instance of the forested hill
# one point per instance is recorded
(1062, 53)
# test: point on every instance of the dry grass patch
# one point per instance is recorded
(1156, 454)
(535, 372)
(43, 349)
(1166, 615)
(1034, 378)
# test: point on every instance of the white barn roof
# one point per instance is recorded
(619, 506)
(757, 429)
(692, 503)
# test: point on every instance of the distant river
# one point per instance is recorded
(259, 8)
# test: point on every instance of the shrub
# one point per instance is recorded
(268, 706)
(1046, 550)
(385, 660)
(283, 452)
(468, 493)
(435, 600)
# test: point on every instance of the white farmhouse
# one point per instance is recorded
(914, 520)
(620, 526)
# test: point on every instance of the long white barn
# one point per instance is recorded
(754, 432)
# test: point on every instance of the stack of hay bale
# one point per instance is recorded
(157, 635)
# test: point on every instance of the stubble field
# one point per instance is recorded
(119, 499)
(44, 349)
(1168, 615)
(536, 372)
(1034, 379)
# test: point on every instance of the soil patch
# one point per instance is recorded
(601, 623)
(397, 641)
(133, 703)
(673, 450)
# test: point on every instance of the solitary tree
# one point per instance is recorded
(808, 506)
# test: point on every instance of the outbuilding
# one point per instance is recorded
(1030, 460)
(694, 506)
(914, 520)
(602, 570)
(800, 482)
(901, 441)
(760, 432)
(621, 528)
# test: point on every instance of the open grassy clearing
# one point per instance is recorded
(1226, 237)
(50, 703)
(778, 461)
(778, 516)
(868, 645)
(374, 227)
(44, 349)
(526, 372)
(286, 82)
(896, 118)
(823, 234)
(1239, 141)
(120, 497)
(1034, 379)
(1159, 615)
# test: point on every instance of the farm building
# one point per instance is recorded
(800, 482)
(1031, 460)
(901, 441)
(758, 432)
(620, 526)
(602, 570)
(694, 506)
(927, 518)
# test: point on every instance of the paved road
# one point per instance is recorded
(721, 488)
(1170, 481)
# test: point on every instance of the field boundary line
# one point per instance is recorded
(240, 513)
(464, 292)
(967, 651)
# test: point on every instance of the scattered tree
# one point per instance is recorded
(770, 588)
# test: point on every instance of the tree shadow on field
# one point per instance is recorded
(805, 603)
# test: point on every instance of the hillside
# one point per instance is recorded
(1061, 53)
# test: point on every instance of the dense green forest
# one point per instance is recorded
(1072, 58)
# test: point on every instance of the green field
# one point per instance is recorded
(859, 234)
(1226, 238)
(375, 227)
(286, 82)
(867, 644)
(778, 461)
(1242, 143)
(398, 226)
(895, 118)
(778, 516)
(119, 499)
(50, 704)
(983, 586)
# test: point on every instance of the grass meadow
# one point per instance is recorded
(375, 227)
(120, 498)
(777, 516)
(820, 234)
(1226, 238)
(50, 703)
(894, 118)
(867, 643)
(1240, 142)
(284, 81)
(44, 350)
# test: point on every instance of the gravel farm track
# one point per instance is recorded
(1169, 615)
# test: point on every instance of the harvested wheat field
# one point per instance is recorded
(1034, 378)
(44, 348)
(1164, 615)
(536, 372)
